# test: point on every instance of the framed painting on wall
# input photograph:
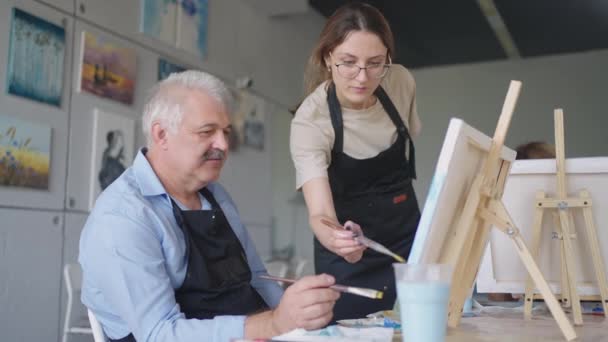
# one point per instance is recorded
(248, 121)
(166, 68)
(36, 59)
(108, 70)
(158, 19)
(24, 153)
(192, 26)
(112, 150)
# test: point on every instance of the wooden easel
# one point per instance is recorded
(565, 231)
(484, 208)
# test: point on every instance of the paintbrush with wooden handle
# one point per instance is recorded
(359, 291)
(365, 241)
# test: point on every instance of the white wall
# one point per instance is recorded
(575, 82)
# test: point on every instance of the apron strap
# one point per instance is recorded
(402, 130)
(335, 112)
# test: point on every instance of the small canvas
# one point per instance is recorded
(25, 153)
(501, 271)
(36, 59)
(192, 26)
(108, 69)
(166, 68)
(113, 145)
(159, 19)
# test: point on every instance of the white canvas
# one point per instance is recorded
(502, 271)
(113, 149)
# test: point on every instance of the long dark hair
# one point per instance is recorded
(354, 16)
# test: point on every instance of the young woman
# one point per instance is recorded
(351, 143)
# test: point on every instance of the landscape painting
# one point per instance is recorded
(108, 69)
(36, 59)
(25, 153)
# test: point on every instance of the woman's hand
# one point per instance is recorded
(317, 194)
(342, 242)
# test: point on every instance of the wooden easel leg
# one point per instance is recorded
(469, 272)
(535, 247)
(594, 247)
(565, 285)
(503, 221)
(543, 287)
(460, 282)
(565, 218)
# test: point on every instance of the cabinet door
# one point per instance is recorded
(36, 113)
(30, 268)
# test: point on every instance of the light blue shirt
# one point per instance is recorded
(133, 257)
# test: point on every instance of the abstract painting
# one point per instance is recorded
(112, 150)
(192, 26)
(159, 20)
(108, 69)
(36, 59)
(24, 153)
(248, 121)
(166, 68)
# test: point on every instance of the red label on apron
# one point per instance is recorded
(399, 199)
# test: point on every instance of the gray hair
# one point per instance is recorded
(167, 108)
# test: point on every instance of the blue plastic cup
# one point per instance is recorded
(423, 292)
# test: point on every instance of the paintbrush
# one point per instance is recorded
(359, 291)
(366, 241)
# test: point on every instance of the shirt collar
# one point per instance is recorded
(148, 181)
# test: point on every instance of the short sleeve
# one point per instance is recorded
(311, 139)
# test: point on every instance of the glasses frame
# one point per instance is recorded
(385, 67)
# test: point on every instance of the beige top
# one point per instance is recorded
(367, 132)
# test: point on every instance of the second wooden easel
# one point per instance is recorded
(564, 224)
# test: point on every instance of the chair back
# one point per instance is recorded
(98, 334)
(75, 320)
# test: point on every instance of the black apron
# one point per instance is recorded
(218, 278)
(377, 194)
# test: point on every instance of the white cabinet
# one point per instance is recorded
(30, 269)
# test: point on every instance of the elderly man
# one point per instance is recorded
(164, 254)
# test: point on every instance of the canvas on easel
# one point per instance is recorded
(465, 201)
(563, 205)
(499, 274)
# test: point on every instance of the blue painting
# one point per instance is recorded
(25, 150)
(36, 58)
(159, 19)
(192, 26)
(166, 68)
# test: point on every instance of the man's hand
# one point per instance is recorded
(307, 304)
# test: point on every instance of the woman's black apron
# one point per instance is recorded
(218, 277)
(377, 194)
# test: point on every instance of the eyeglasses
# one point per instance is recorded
(373, 70)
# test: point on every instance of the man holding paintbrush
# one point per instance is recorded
(164, 254)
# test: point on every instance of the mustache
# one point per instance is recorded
(214, 154)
